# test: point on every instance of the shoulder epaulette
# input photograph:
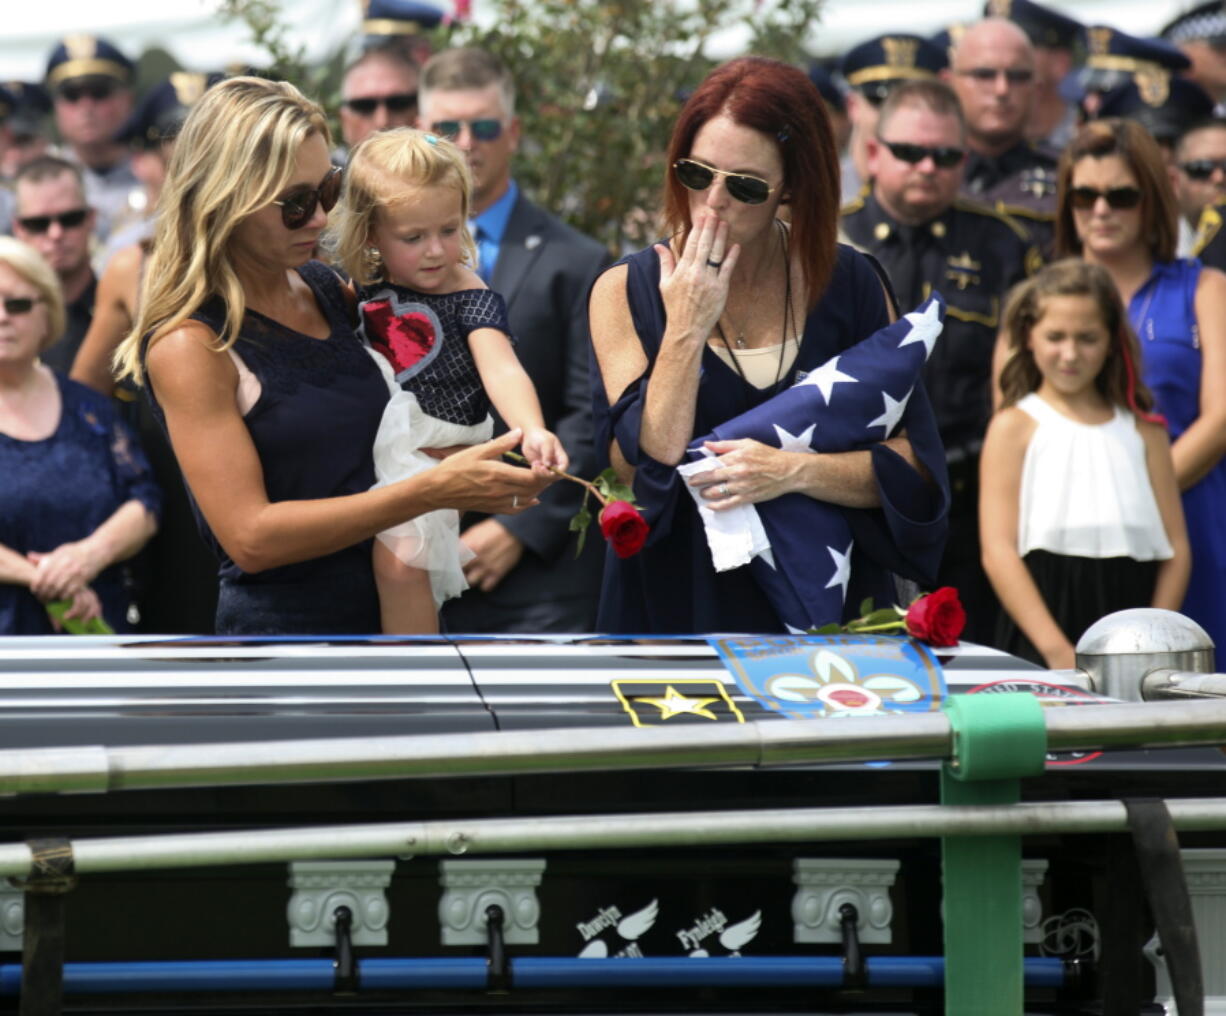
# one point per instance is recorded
(1208, 226)
(964, 204)
(852, 206)
(1022, 212)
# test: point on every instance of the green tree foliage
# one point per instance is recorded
(599, 85)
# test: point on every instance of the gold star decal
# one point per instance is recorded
(673, 703)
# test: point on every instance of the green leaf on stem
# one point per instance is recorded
(58, 608)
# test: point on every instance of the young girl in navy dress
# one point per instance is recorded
(1079, 509)
(442, 341)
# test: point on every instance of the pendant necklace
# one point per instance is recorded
(787, 315)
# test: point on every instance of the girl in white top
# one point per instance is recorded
(1079, 511)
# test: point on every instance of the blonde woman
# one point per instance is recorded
(248, 351)
(77, 495)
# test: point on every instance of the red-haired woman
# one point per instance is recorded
(1116, 209)
(733, 309)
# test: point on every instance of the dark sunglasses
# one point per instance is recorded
(1117, 197)
(483, 130)
(15, 305)
(98, 91)
(297, 209)
(988, 75)
(1202, 169)
(41, 223)
(698, 176)
(367, 105)
(942, 158)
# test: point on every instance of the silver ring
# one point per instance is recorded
(713, 264)
(514, 500)
(723, 489)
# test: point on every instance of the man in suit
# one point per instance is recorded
(525, 577)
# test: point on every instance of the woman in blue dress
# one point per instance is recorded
(751, 292)
(1117, 209)
(249, 353)
(77, 495)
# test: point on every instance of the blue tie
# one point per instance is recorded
(486, 254)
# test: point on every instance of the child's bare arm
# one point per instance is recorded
(513, 395)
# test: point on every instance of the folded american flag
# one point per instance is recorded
(798, 548)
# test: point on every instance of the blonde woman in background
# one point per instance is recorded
(77, 496)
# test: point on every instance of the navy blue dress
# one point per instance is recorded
(313, 428)
(671, 587)
(61, 489)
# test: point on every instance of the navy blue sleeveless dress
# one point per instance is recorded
(61, 489)
(313, 427)
(671, 586)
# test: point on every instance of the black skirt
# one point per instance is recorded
(1078, 591)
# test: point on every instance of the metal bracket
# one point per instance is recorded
(471, 888)
(499, 969)
(854, 973)
(322, 887)
(824, 884)
(345, 969)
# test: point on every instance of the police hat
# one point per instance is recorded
(1205, 22)
(399, 17)
(1044, 26)
(30, 105)
(1165, 106)
(948, 37)
(874, 67)
(826, 87)
(161, 112)
(80, 56)
(1114, 58)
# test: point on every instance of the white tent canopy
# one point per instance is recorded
(199, 39)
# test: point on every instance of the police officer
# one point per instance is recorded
(90, 80)
(1165, 106)
(148, 134)
(1200, 175)
(871, 69)
(1200, 35)
(927, 237)
(1210, 244)
(400, 24)
(1056, 39)
(1115, 59)
(992, 70)
(27, 134)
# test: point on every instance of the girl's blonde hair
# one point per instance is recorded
(237, 150)
(33, 267)
(1118, 381)
(383, 171)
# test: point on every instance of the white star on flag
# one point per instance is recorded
(802, 442)
(842, 568)
(893, 412)
(926, 327)
(826, 377)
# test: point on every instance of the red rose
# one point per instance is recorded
(624, 528)
(937, 618)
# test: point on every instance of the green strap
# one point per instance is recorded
(997, 739)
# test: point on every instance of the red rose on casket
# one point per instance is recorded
(624, 528)
(937, 618)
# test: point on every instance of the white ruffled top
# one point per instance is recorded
(1086, 490)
